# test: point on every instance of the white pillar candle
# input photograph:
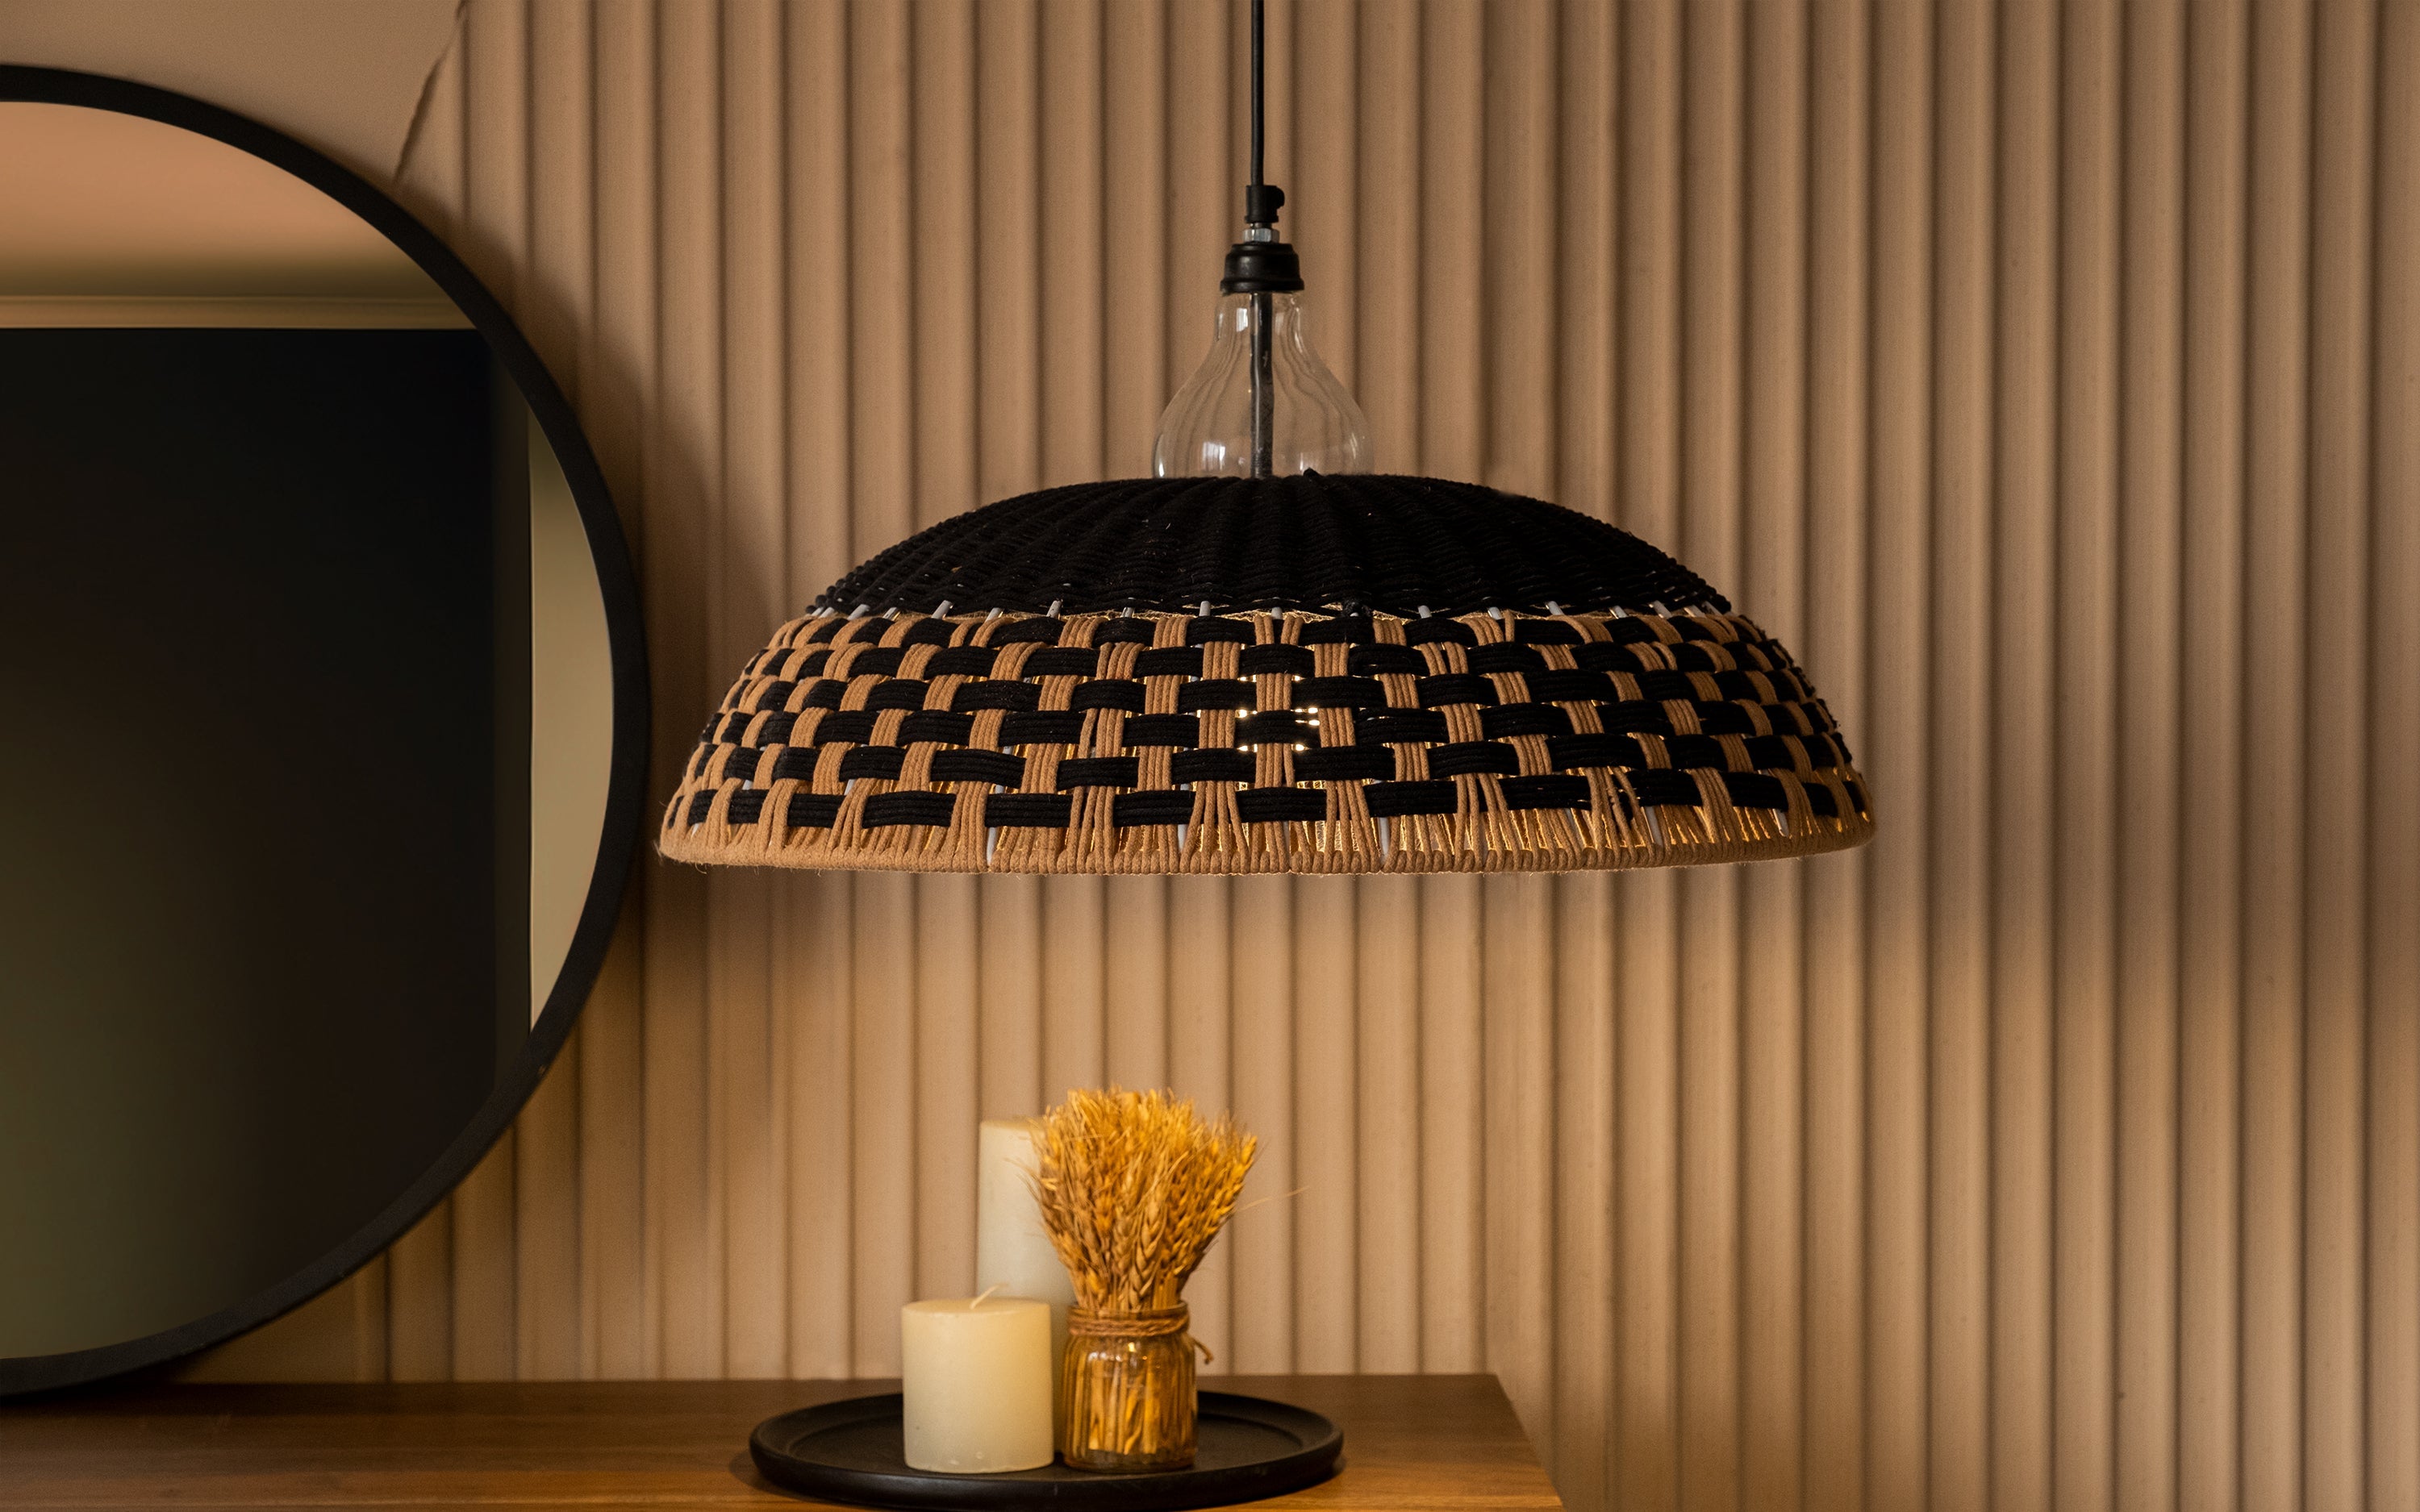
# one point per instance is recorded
(1012, 1248)
(976, 1376)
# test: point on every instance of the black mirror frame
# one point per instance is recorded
(625, 791)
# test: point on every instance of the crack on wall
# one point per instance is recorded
(428, 89)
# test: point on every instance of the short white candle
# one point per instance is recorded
(1012, 1248)
(976, 1377)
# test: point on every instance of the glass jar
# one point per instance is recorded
(1129, 1389)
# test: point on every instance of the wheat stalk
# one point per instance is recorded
(1133, 1188)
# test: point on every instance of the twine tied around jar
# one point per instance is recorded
(1083, 1322)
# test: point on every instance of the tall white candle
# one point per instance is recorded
(976, 1375)
(1012, 1248)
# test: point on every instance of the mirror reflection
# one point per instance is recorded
(304, 710)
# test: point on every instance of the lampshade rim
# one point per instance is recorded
(1093, 744)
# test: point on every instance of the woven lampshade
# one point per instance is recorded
(1317, 674)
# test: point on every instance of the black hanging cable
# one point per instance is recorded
(1256, 206)
(1262, 266)
(1251, 203)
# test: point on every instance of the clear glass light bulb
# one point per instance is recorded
(1315, 427)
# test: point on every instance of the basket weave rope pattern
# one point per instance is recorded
(1266, 741)
(1309, 543)
(1294, 674)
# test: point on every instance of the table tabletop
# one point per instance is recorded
(1412, 1444)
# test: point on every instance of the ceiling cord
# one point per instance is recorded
(1261, 202)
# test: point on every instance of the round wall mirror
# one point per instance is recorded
(322, 723)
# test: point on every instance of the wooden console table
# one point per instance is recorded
(1411, 1443)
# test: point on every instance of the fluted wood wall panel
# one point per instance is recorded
(2048, 374)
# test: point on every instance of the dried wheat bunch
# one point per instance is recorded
(1133, 1187)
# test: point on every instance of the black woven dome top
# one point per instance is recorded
(1395, 545)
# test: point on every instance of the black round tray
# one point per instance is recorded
(850, 1451)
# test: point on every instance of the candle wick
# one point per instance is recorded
(987, 1295)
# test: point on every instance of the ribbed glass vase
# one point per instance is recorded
(1129, 1389)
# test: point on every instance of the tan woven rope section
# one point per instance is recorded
(1266, 741)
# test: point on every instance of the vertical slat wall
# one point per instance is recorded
(2048, 374)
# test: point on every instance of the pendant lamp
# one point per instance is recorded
(1267, 659)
